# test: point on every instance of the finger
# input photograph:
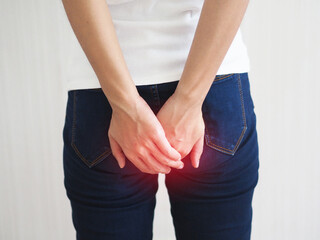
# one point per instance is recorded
(196, 152)
(165, 147)
(117, 152)
(156, 165)
(143, 167)
(159, 156)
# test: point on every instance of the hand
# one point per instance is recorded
(184, 127)
(137, 134)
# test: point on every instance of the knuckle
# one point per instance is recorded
(139, 149)
(166, 152)
(154, 134)
(166, 161)
(147, 144)
(166, 169)
(157, 133)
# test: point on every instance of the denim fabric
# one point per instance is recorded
(212, 202)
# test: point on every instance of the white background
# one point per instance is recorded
(283, 42)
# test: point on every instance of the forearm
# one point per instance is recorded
(92, 24)
(218, 24)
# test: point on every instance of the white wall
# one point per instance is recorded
(283, 41)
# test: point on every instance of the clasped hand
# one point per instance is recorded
(155, 143)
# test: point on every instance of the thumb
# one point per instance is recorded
(117, 152)
(196, 152)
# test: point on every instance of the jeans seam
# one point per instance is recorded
(155, 95)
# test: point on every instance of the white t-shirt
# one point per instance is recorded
(155, 37)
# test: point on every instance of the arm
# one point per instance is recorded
(218, 24)
(130, 135)
(217, 27)
(92, 24)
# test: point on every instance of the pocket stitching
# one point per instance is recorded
(226, 150)
(94, 162)
(222, 77)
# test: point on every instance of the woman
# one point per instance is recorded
(170, 95)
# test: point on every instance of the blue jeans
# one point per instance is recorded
(212, 202)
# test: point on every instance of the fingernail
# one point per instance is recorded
(181, 166)
(197, 164)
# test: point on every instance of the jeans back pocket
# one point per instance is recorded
(224, 114)
(91, 120)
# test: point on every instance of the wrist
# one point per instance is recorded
(186, 103)
(125, 102)
(188, 98)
